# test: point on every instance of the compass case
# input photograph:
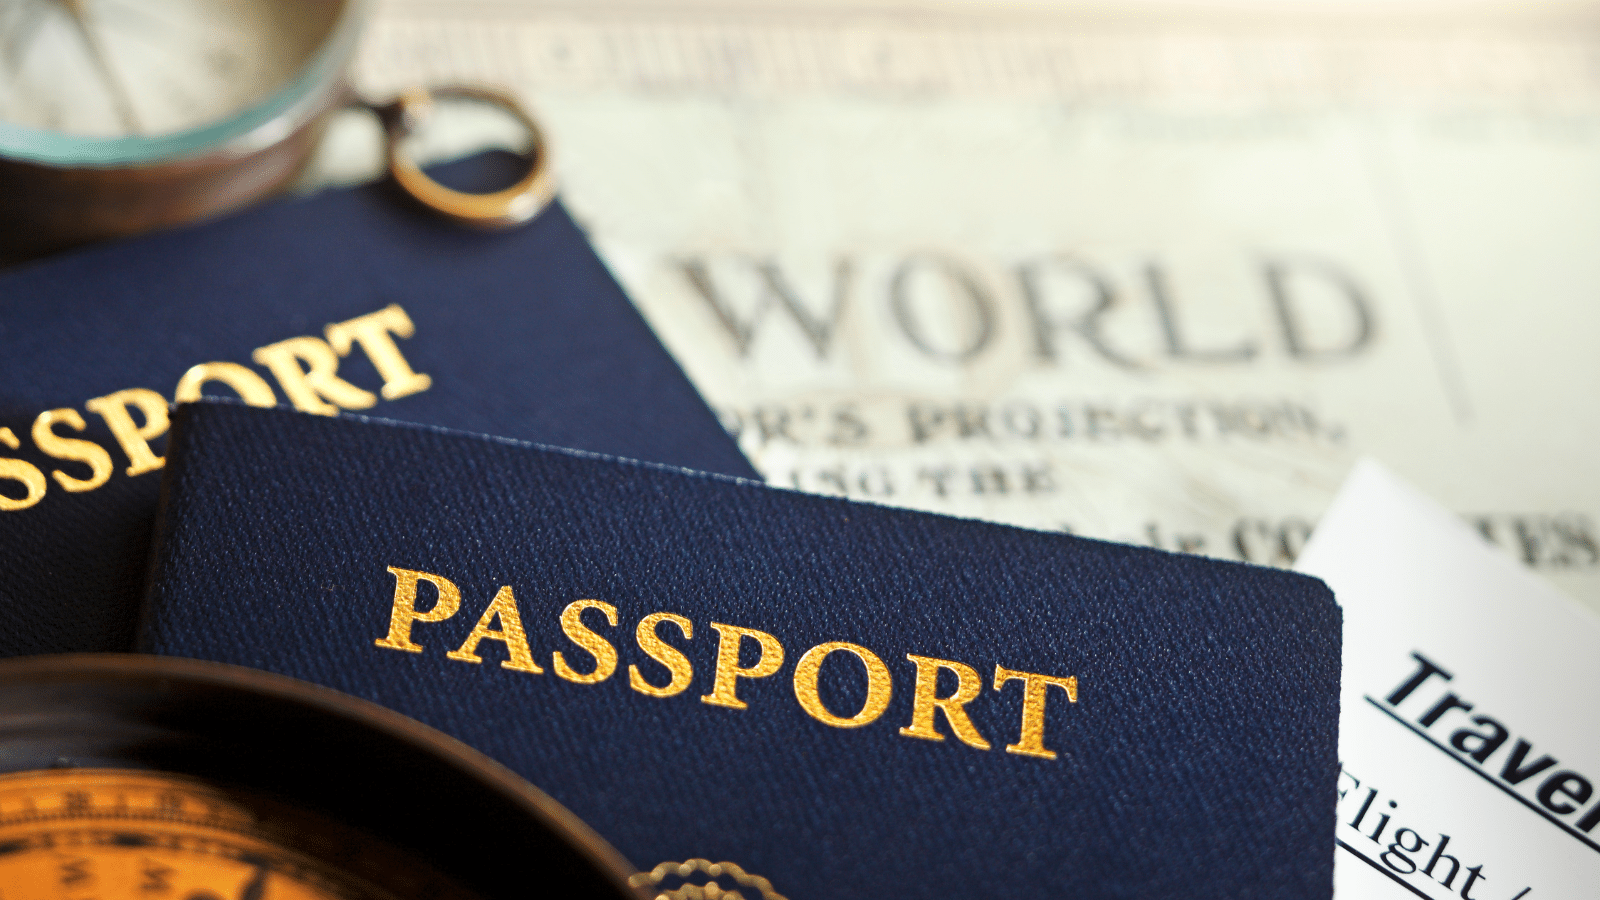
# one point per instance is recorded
(351, 299)
(848, 700)
(168, 762)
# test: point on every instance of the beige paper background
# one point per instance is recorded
(1448, 164)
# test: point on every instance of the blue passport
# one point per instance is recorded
(347, 301)
(847, 700)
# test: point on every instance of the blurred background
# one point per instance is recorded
(1146, 271)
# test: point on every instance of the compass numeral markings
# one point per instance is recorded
(75, 872)
(75, 803)
(156, 876)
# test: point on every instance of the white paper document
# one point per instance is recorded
(1470, 730)
(1154, 277)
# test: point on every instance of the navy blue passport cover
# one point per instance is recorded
(1197, 761)
(521, 333)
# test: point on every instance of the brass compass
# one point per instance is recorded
(141, 778)
(117, 833)
(120, 116)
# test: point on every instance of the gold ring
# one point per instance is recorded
(499, 209)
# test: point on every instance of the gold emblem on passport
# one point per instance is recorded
(702, 879)
(142, 778)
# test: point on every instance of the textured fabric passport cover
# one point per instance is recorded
(1198, 760)
(521, 333)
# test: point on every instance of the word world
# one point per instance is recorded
(926, 704)
(1316, 311)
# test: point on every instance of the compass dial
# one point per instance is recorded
(96, 834)
(106, 68)
(129, 777)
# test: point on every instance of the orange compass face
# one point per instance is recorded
(108, 834)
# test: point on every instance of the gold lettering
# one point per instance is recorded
(306, 388)
(662, 652)
(879, 685)
(1034, 689)
(20, 470)
(725, 680)
(372, 332)
(924, 701)
(511, 634)
(605, 655)
(251, 388)
(135, 439)
(87, 452)
(405, 611)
